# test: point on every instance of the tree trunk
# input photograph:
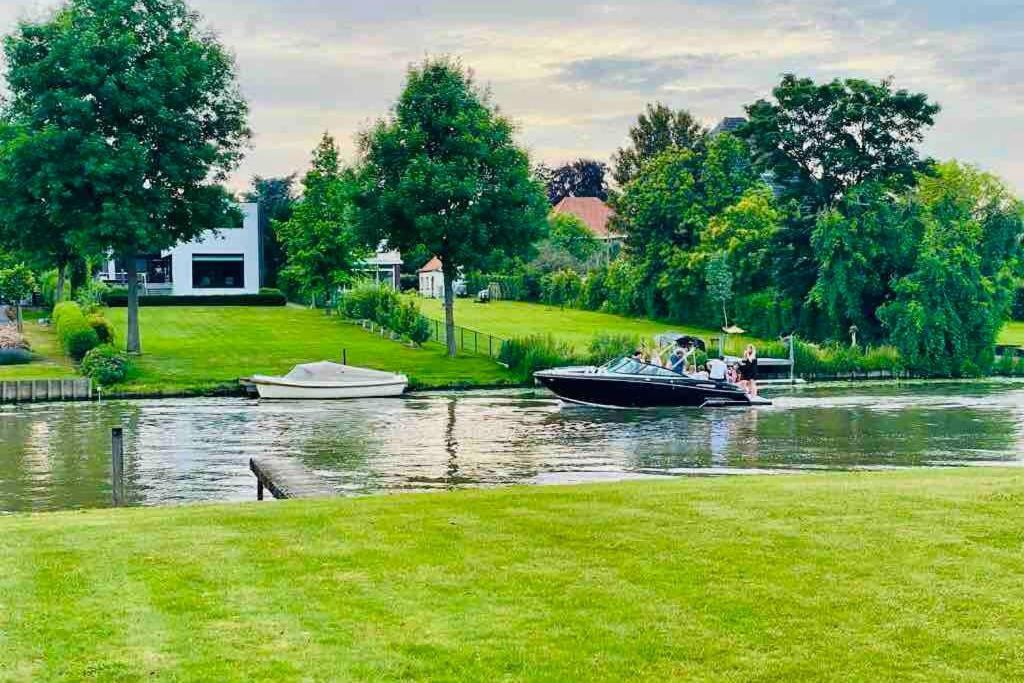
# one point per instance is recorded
(725, 315)
(62, 274)
(17, 315)
(449, 313)
(134, 344)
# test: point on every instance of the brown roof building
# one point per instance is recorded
(593, 212)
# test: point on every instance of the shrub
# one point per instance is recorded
(606, 347)
(1018, 303)
(91, 295)
(419, 334)
(118, 300)
(76, 336)
(526, 355)
(105, 365)
(594, 291)
(561, 288)
(104, 330)
(370, 301)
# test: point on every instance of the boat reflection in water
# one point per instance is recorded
(630, 383)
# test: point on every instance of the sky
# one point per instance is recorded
(574, 75)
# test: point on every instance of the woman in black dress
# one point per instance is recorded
(748, 370)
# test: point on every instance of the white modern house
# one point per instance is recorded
(224, 261)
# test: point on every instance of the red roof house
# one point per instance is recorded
(594, 213)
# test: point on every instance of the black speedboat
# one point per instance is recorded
(630, 383)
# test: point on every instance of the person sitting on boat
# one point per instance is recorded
(717, 369)
(702, 373)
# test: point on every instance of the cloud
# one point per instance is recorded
(630, 73)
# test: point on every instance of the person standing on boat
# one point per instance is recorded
(748, 370)
(678, 362)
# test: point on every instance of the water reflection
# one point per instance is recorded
(57, 456)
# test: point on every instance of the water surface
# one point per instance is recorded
(57, 456)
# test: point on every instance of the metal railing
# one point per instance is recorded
(467, 339)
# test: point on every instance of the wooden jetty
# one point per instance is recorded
(288, 478)
(34, 390)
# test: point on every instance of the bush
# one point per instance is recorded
(76, 336)
(271, 291)
(606, 347)
(91, 295)
(105, 365)
(15, 356)
(104, 330)
(561, 288)
(419, 334)
(117, 300)
(526, 355)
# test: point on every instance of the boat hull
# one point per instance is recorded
(612, 391)
(328, 392)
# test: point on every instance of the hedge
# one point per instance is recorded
(76, 335)
(121, 300)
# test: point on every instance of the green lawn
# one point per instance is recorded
(1013, 333)
(509, 319)
(52, 363)
(915, 576)
(192, 350)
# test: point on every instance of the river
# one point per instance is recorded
(57, 456)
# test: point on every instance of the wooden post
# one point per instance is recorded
(259, 489)
(344, 356)
(117, 465)
(792, 358)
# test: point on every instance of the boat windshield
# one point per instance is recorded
(631, 366)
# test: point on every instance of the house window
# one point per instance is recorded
(218, 271)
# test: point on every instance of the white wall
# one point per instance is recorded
(244, 240)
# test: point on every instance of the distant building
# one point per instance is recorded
(223, 261)
(432, 281)
(730, 124)
(385, 267)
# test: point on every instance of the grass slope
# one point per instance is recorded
(202, 348)
(854, 577)
(1013, 333)
(52, 363)
(509, 319)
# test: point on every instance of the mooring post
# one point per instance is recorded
(344, 356)
(117, 465)
(259, 488)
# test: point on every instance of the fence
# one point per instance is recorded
(467, 339)
(28, 391)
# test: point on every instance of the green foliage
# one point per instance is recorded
(118, 299)
(276, 199)
(384, 306)
(16, 283)
(106, 365)
(527, 355)
(92, 295)
(658, 129)
(104, 330)
(1017, 311)
(842, 360)
(561, 288)
(444, 172)
(76, 336)
(570, 234)
(719, 280)
(581, 178)
(606, 347)
(948, 312)
(419, 331)
(320, 239)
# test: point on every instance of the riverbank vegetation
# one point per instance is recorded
(864, 577)
(208, 349)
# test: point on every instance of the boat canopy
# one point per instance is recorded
(326, 371)
(681, 340)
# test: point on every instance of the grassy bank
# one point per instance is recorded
(51, 363)
(194, 350)
(854, 577)
(509, 319)
(1013, 333)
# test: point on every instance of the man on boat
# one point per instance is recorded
(717, 369)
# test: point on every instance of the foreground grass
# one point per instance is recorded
(51, 363)
(508, 319)
(1013, 333)
(854, 577)
(202, 349)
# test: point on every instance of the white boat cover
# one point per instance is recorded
(326, 371)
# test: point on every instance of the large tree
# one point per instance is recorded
(947, 312)
(320, 239)
(133, 111)
(818, 141)
(656, 130)
(581, 178)
(443, 171)
(276, 200)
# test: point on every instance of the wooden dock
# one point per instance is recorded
(35, 390)
(288, 478)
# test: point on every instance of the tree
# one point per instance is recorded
(570, 234)
(16, 284)
(320, 240)
(276, 199)
(443, 171)
(581, 178)
(135, 118)
(817, 142)
(719, 279)
(657, 129)
(947, 312)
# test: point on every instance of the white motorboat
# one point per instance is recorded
(330, 381)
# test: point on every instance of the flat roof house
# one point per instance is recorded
(225, 261)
